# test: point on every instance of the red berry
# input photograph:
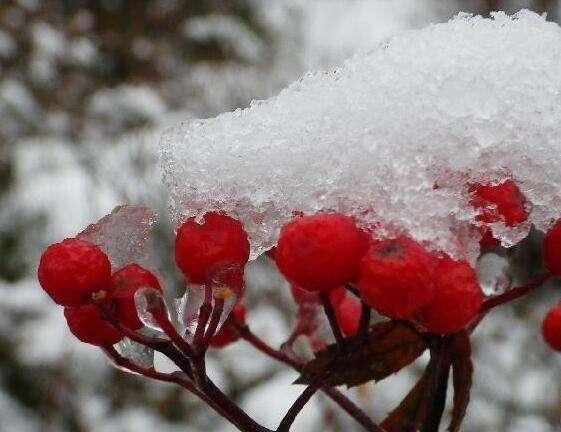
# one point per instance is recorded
(348, 313)
(488, 241)
(320, 252)
(72, 270)
(499, 202)
(457, 298)
(227, 280)
(219, 241)
(552, 249)
(302, 296)
(85, 322)
(396, 277)
(124, 284)
(228, 333)
(551, 328)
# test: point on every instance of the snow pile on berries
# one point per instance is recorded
(394, 137)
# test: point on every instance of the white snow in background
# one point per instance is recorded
(338, 29)
(231, 32)
(268, 403)
(471, 99)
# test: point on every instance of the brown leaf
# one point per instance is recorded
(462, 370)
(387, 348)
(410, 409)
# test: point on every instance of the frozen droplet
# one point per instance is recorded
(149, 301)
(227, 284)
(137, 353)
(122, 234)
(188, 309)
(492, 274)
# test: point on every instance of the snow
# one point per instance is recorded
(234, 35)
(393, 137)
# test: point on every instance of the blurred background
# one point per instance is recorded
(86, 87)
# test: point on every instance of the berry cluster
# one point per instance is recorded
(336, 269)
(100, 306)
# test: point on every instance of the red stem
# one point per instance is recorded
(297, 406)
(170, 330)
(204, 314)
(213, 324)
(332, 318)
(339, 398)
(511, 294)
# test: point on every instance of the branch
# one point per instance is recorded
(213, 324)
(297, 406)
(364, 319)
(204, 315)
(511, 294)
(332, 318)
(339, 398)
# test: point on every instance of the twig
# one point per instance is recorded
(297, 406)
(339, 398)
(213, 324)
(511, 294)
(204, 314)
(364, 320)
(332, 318)
(170, 330)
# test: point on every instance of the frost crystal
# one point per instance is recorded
(392, 137)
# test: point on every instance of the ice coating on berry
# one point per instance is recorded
(86, 323)
(72, 270)
(320, 252)
(551, 328)
(552, 249)
(471, 100)
(228, 332)
(457, 297)
(122, 234)
(124, 284)
(203, 248)
(396, 277)
(499, 202)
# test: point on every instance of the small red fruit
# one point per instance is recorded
(488, 241)
(72, 270)
(228, 333)
(302, 296)
(124, 284)
(320, 252)
(457, 298)
(201, 248)
(499, 202)
(396, 277)
(348, 313)
(551, 328)
(552, 249)
(85, 322)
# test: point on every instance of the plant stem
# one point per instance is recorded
(512, 294)
(332, 318)
(339, 398)
(297, 406)
(439, 386)
(204, 314)
(364, 320)
(213, 324)
(170, 330)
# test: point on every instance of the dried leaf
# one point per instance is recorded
(462, 369)
(388, 347)
(403, 417)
